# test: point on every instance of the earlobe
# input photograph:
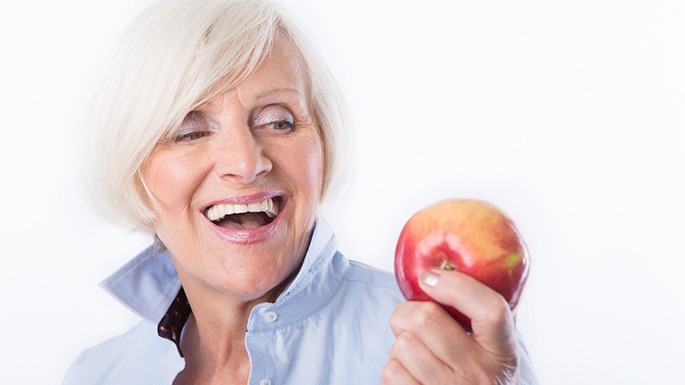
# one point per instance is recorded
(324, 185)
(159, 245)
(146, 205)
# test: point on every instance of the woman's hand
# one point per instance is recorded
(432, 348)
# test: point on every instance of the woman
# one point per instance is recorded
(218, 132)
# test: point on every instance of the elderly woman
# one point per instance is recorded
(218, 132)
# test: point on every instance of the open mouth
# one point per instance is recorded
(244, 216)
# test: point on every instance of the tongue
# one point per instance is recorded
(244, 221)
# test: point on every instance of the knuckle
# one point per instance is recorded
(395, 320)
(498, 310)
(389, 373)
(398, 316)
(427, 313)
(404, 342)
(415, 316)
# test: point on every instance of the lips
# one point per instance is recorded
(244, 216)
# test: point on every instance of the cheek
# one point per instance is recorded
(171, 179)
(311, 159)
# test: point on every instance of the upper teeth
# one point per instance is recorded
(218, 212)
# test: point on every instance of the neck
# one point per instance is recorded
(214, 336)
(213, 340)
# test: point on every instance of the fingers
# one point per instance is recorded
(431, 324)
(419, 360)
(491, 318)
(432, 348)
(395, 374)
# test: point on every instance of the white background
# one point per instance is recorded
(567, 114)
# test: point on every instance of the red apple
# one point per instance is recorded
(471, 236)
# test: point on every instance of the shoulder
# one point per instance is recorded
(368, 285)
(373, 277)
(133, 357)
(527, 375)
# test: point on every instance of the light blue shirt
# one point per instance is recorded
(330, 326)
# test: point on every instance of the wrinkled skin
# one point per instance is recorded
(432, 348)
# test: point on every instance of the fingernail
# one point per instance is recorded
(431, 279)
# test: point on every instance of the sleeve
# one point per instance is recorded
(138, 356)
(527, 374)
(78, 373)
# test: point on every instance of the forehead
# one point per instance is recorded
(282, 69)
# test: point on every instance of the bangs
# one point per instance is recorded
(223, 55)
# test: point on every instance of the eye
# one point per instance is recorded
(283, 125)
(275, 117)
(195, 135)
(195, 126)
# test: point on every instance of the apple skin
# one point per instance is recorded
(468, 235)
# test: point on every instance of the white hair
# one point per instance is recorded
(174, 57)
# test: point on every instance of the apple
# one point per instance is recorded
(468, 235)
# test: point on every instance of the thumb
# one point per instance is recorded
(491, 318)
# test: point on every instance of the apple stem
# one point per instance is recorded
(446, 265)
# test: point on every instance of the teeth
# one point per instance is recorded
(218, 212)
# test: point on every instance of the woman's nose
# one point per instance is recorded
(241, 157)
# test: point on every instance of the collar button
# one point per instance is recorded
(270, 316)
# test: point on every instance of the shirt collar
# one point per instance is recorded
(148, 284)
(319, 278)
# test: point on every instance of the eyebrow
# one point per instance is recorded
(279, 90)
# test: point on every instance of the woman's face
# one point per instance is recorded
(238, 187)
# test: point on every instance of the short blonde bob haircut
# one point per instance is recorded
(174, 57)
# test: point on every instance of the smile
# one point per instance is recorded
(245, 215)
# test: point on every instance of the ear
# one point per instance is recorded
(159, 245)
